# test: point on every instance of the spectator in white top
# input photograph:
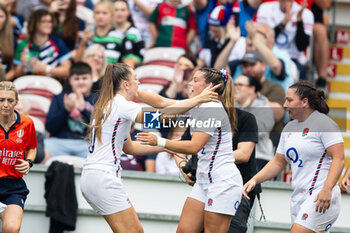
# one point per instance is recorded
(293, 28)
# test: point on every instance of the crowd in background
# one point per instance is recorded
(265, 45)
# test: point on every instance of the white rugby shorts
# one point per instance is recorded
(221, 197)
(104, 191)
(304, 212)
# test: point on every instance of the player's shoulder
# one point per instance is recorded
(211, 105)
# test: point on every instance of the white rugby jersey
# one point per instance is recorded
(270, 13)
(215, 159)
(115, 131)
(304, 147)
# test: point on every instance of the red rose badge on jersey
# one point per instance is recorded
(210, 202)
(305, 216)
(305, 131)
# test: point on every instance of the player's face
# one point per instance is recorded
(8, 102)
(121, 12)
(81, 83)
(197, 84)
(133, 85)
(293, 104)
(103, 15)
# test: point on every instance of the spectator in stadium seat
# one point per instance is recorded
(293, 26)
(141, 11)
(253, 64)
(178, 87)
(133, 43)
(273, 91)
(25, 8)
(106, 35)
(7, 44)
(203, 9)
(41, 53)
(246, 12)
(69, 25)
(95, 56)
(247, 98)
(321, 42)
(17, 20)
(69, 113)
(218, 38)
(260, 38)
(314, 147)
(179, 34)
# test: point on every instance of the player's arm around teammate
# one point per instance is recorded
(199, 210)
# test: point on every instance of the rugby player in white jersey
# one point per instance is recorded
(109, 128)
(313, 145)
(217, 192)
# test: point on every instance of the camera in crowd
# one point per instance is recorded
(191, 167)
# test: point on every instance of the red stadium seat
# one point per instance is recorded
(38, 105)
(38, 85)
(154, 71)
(163, 54)
(170, 64)
(151, 80)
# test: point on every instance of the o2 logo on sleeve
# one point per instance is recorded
(293, 155)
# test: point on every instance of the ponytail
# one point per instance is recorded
(114, 74)
(225, 91)
(316, 97)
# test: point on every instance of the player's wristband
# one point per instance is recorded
(48, 69)
(161, 141)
